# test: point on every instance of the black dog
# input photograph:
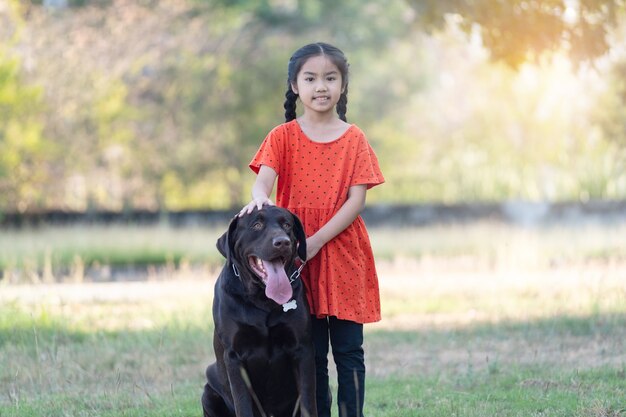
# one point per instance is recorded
(264, 359)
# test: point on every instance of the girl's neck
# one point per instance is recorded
(320, 121)
(322, 130)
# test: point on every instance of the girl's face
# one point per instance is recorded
(319, 85)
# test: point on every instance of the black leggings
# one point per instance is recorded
(346, 340)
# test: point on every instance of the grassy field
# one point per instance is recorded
(524, 330)
(78, 253)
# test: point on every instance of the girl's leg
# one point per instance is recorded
(320, 340)
(346, 338)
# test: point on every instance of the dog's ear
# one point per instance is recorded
(298, 231)
(226, 242)
(222, 244)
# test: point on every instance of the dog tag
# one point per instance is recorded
(290, 305)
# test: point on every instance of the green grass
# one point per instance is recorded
(479, 320)
(56, 366)
(146, 356)
(523, 393)
(495, 245)
(519, 392)
(58, 253)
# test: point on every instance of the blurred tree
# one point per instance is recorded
(23, 149)
(61, 4)
(160, 104)
(519, 30)
(216, 103)
(198, 106)
(611, 115)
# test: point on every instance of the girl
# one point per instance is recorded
(324, 167)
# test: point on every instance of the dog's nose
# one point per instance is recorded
(281, 242)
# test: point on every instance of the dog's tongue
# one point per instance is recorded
(278, 287)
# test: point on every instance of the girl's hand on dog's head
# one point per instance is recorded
(257, 203)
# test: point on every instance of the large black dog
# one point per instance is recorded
(264, 358)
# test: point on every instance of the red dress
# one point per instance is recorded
(313, 183)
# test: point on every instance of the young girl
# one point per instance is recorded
(324, 167)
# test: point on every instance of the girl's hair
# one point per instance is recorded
(296, 62)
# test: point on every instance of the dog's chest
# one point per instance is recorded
(260, 338)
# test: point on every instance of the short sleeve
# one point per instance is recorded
(268, 153)
(366, 169)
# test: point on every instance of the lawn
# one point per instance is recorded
(97, 252)
(478, 332)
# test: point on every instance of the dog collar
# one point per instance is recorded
(296, 273)
(291, 304)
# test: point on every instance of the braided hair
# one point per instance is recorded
(296, 62)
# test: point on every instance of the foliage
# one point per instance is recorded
(611, 111)
(22, 146)
(516, 30)
(161, 104)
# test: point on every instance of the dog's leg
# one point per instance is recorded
(213, 404)
(305, 377)
(242, 394)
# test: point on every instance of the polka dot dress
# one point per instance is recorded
(313, 182)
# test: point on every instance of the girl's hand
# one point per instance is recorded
(258, 202)
(313, 246)
(261, 190)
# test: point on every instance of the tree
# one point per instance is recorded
(519, 30)
(22, 146)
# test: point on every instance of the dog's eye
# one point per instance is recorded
(287, 226)
(257, 226)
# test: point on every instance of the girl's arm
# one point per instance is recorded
(261, 190)
(337, 224)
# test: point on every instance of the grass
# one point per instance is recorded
(134, 360)
(498, 342)
(522, 392)
(90, 252)
(479, 320)
(67, 253)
